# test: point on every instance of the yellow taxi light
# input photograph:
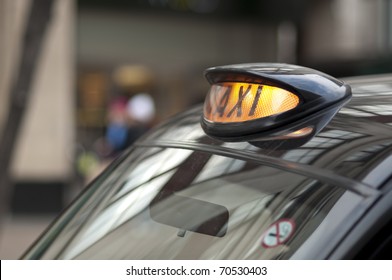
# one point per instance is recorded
(258, 102)
(231, 102)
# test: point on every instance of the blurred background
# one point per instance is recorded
(80, 80)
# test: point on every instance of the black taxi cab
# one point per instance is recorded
(281, 162)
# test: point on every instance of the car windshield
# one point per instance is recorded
(174, 203)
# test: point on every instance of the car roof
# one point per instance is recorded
(353, 151)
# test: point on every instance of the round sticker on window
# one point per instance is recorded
(278, 233)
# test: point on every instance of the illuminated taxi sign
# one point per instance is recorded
(239, 102)
(255, 101)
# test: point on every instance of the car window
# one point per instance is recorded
(168, 203)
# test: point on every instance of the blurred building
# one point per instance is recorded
(178, 39)
(42, 165)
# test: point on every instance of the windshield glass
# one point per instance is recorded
(169, 203)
